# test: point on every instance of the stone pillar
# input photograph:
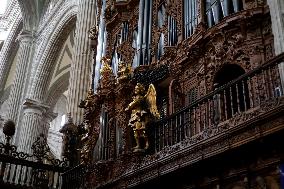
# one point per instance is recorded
(15, 97)
(277, 18)
(82, 59)
(32, 125)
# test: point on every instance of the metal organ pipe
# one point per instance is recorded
(217, 9)
(140, 32)
(185, 18)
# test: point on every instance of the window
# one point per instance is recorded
(189, 17)
(218, 9)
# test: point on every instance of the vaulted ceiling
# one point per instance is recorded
(32, 10)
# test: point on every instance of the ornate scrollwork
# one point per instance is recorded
(40, 148)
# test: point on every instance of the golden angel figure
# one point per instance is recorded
(143, 109)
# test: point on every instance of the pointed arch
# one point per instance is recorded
(49, 50)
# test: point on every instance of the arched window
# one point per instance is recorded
(232, 99)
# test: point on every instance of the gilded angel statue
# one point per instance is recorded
(143, 109)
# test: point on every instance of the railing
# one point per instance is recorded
(75, 177)
(246, 93)
(23, 170)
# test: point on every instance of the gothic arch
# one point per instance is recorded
(29, 13)
(59, 87)
(65, 22)
(228, 72)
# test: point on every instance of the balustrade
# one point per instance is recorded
(37, 170)
(246, 93)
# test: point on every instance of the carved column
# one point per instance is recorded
(15, 98)
(81, 66)
(32, 125)
(277, 18)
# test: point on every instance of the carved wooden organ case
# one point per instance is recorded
(178, 45)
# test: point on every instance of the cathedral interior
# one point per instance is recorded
(112, 94)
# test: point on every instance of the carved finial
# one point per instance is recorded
(9, 128)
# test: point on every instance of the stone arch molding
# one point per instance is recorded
(48, 50)
(7, 48)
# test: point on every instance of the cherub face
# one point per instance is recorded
(139, 89)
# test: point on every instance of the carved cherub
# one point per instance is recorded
(143, 109)
(124, 72)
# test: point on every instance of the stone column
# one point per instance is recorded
(17, 89)
(32, 125)
(82, 59)
(277, 18)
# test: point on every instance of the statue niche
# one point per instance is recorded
(143, 109)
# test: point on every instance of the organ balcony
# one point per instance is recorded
(218, 87)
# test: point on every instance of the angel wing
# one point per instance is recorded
(151, 101)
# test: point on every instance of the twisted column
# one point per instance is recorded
(17, 89)
(81, 67)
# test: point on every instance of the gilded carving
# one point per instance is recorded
(191, 64)
(124, 72)
(143, 108)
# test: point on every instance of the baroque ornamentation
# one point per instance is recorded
(143, 108)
